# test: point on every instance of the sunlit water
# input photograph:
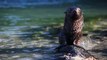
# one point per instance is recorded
(30, 42)
(14, 18)
(25, 43)
(88, 43)
(19, 44)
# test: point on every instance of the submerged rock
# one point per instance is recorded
(73, 52)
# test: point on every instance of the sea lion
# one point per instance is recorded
(72, 30)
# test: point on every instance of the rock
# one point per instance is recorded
(73, 52)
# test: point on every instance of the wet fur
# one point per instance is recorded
(72, 30)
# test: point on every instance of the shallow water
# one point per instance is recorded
(14, 18)
(30, 43)
(25, 43)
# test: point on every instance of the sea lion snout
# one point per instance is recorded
(78, 11)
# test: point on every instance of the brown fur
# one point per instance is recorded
(72, 30)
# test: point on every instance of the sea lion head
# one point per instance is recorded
(73, 12)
